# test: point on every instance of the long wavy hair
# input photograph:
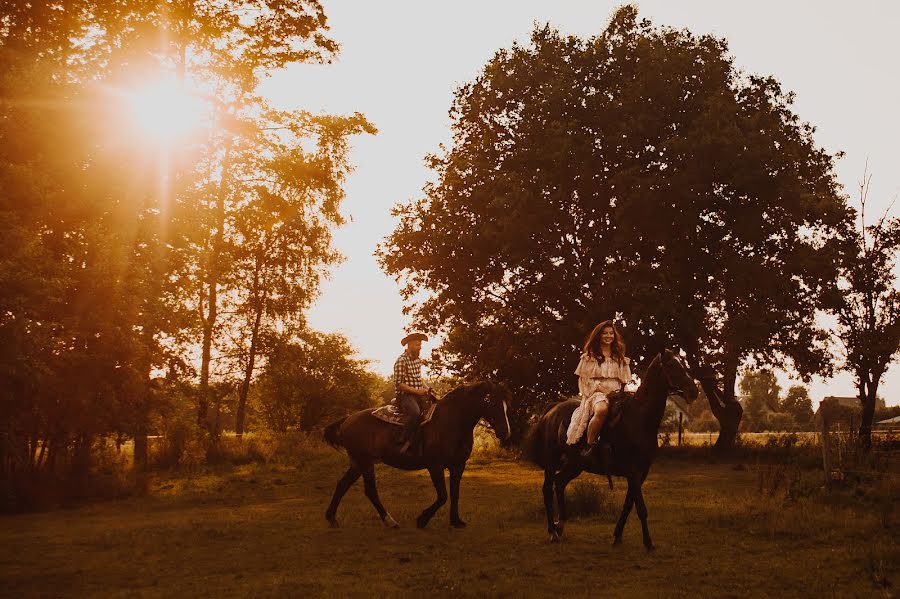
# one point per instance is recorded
(592, 345)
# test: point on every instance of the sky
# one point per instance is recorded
(401, 61)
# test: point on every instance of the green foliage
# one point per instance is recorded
(780, 421)
(313, 380)
(120, 256)
(798, 404)
(867, 306)
(638, 175)
(762, 386)
(706, 423)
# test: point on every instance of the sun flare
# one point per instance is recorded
(166, 112)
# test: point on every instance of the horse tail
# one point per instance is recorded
(534, 447)
(332, 433)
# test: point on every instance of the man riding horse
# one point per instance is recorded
(409, 387)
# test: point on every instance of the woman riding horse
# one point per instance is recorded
(446, 445)
(633, 440)
(602, 370)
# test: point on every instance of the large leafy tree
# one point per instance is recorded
(763, 385)
(85, 296)
(798, 404)
(762, 391)
(287, 201)
(636, 175)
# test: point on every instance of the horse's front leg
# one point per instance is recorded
(456, 473)
(437, 478)
(548, 505)
(372, 494)
(642, 513)
(623, 517)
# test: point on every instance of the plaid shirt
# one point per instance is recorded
(407, 371)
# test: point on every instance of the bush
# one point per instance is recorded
(182, 443)
(110, 477)
(780, 421)
(486, 447)
(588, 497)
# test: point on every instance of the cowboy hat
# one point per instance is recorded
(412, 336)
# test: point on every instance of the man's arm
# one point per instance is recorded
(414, 390)
(400, 374)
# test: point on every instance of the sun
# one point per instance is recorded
(165, 112)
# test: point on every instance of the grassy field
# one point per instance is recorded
(722, 530)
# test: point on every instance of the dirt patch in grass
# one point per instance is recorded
(258, 530)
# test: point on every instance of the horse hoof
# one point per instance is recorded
(389, 521)
(333, 523)
(554, 537)
(617, 541)
(650, 547)
(421, 522)
(457, 524)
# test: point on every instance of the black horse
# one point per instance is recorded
(446, 444)
(633, 440)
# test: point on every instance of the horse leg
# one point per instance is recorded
(626, 509)
(548, 506)
(346, 481)
(560, 481)
(372, 494)
(642, 514)
(437, 478)
(456, 473)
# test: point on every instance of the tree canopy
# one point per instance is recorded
(123, 251)
(636, 175)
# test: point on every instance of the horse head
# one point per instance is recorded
(678, 377)
(494, 406)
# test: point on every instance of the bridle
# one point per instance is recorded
(673, 389)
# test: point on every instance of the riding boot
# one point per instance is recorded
(412, 444)
(417, 442)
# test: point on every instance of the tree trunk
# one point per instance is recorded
(212, 292)
(868, 397)
(726, 409)
(81, 460)
(259, 307)
(248, 375)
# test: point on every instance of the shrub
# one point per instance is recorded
(589, 496)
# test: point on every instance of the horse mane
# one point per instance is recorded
(462, 392)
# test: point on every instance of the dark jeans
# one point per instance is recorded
(409, 405)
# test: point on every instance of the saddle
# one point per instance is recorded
(392, 414)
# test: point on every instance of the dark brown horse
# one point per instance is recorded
(446, 445)
(633, 440)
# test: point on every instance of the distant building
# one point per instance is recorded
(890, 423)
(850, 403)
(745, 399)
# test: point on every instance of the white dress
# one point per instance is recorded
(595, 382)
